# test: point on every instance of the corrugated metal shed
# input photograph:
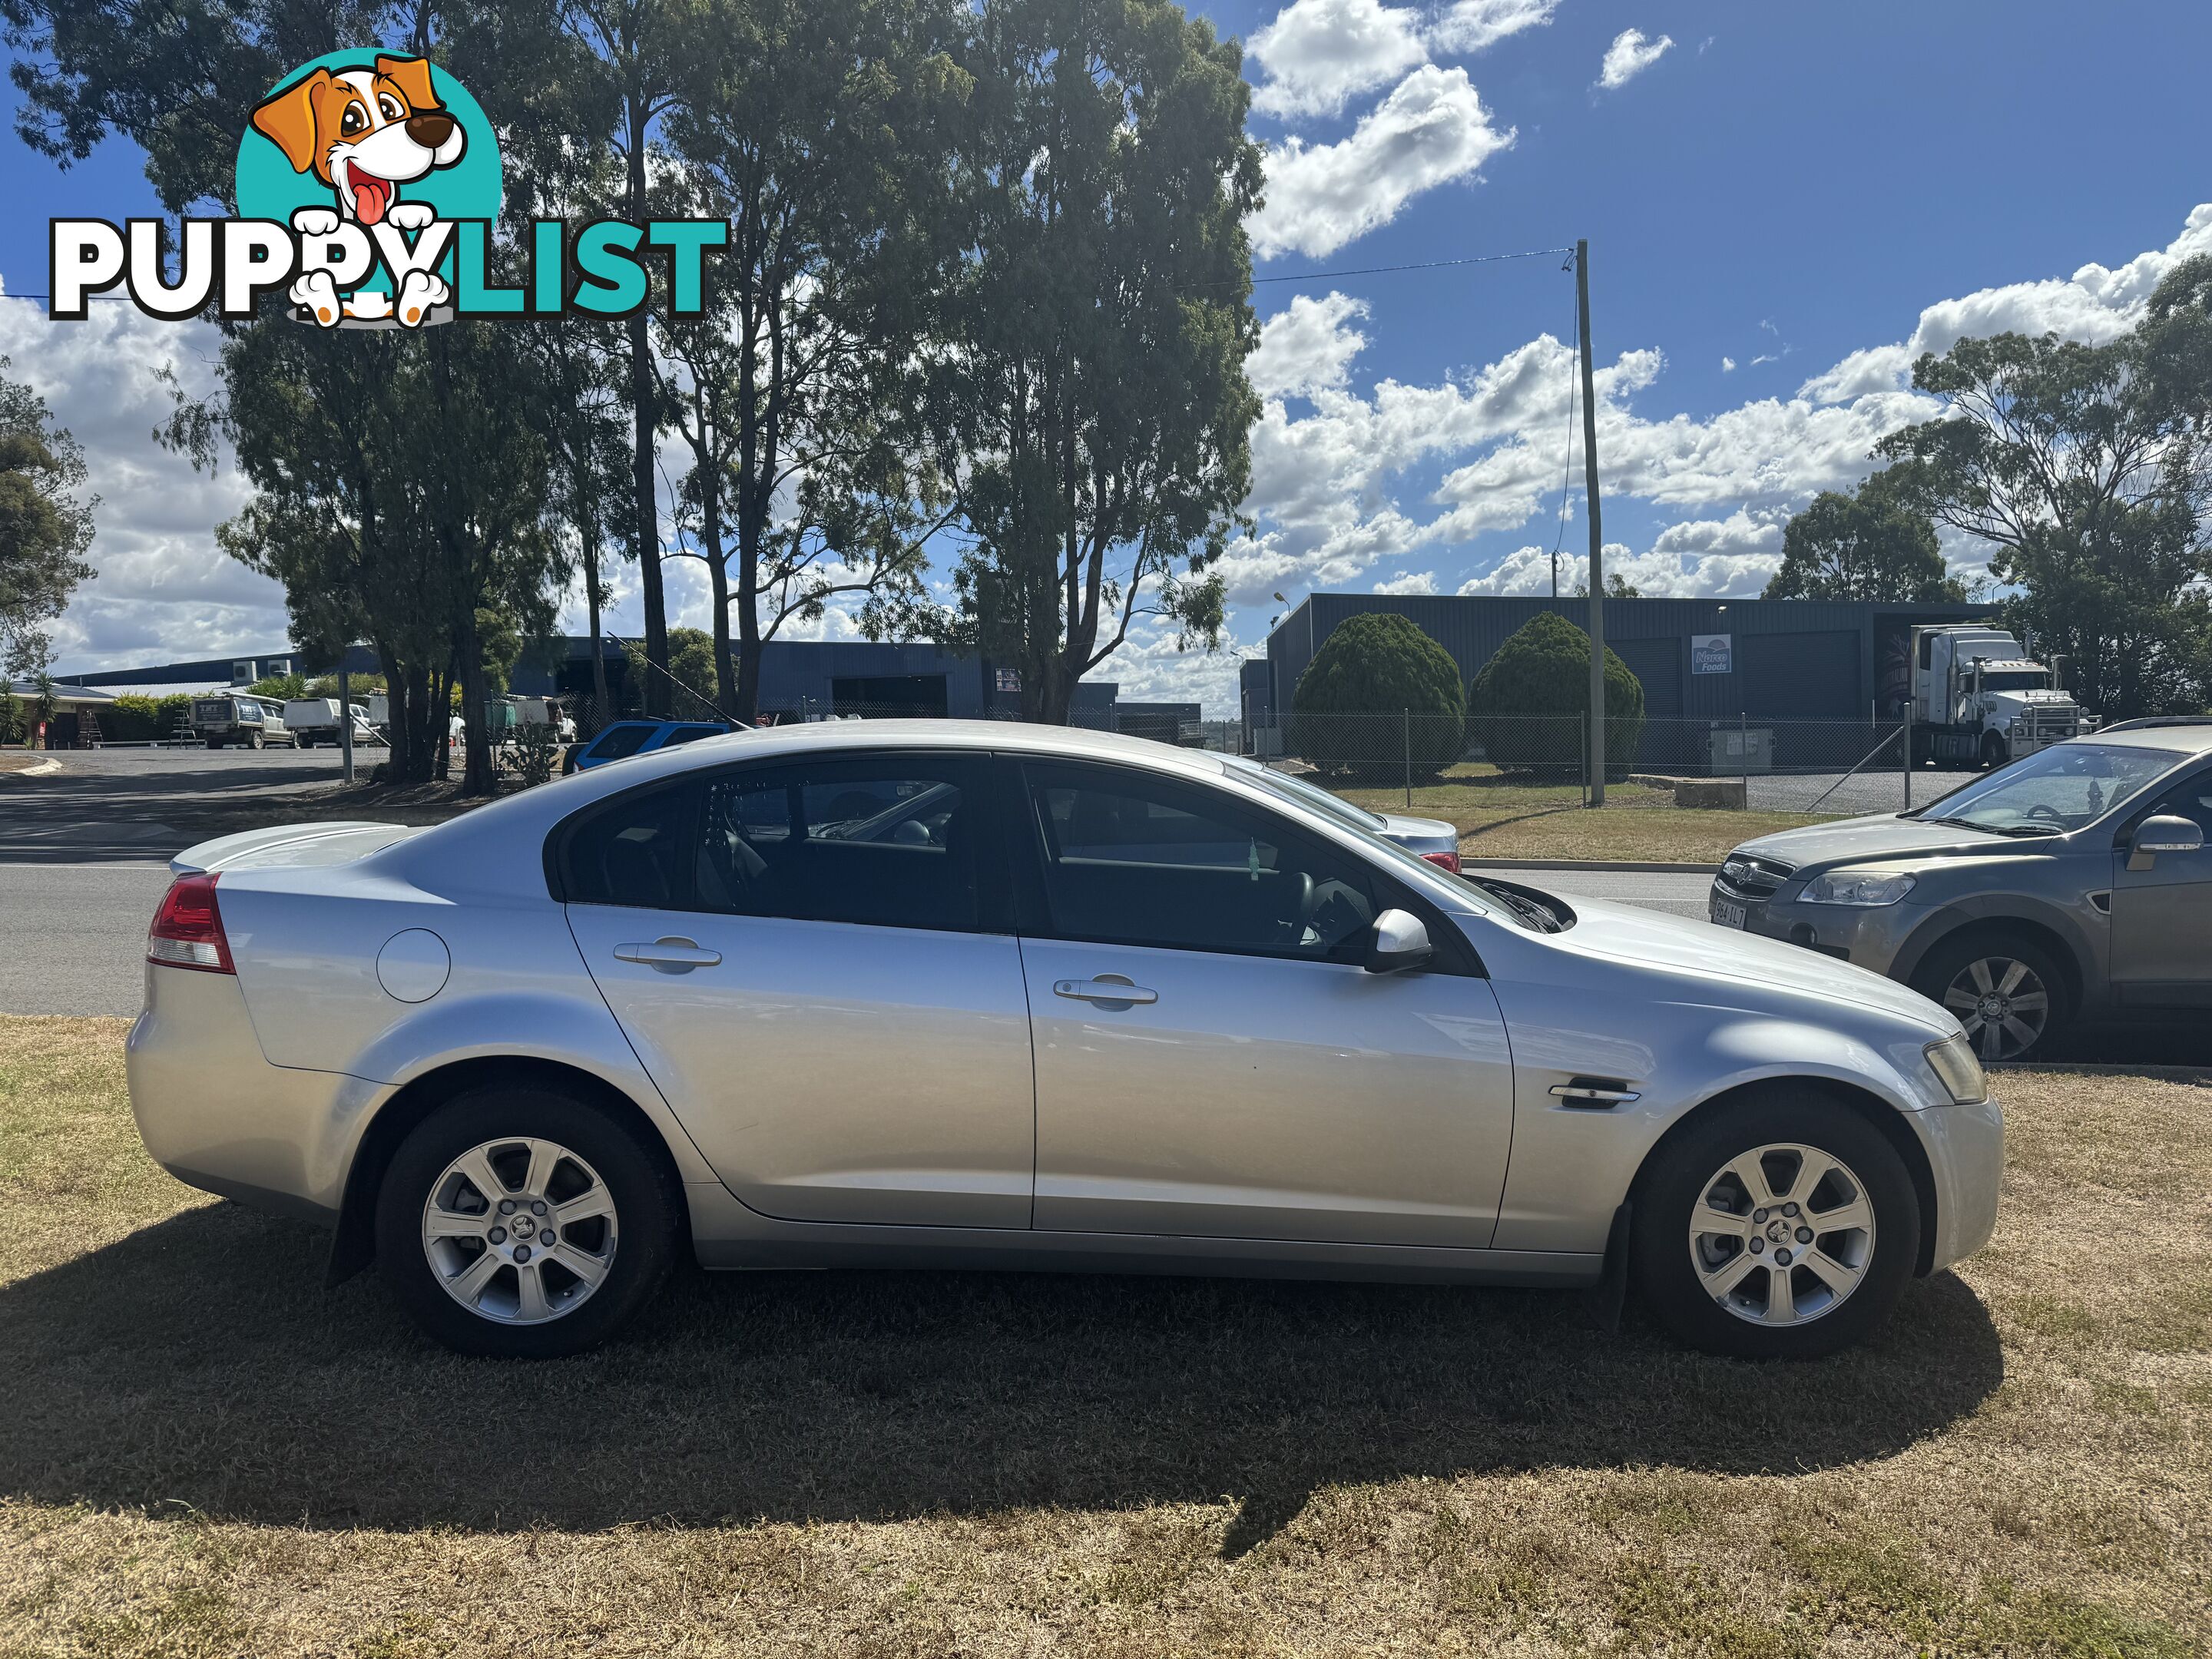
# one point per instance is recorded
(1787, 659)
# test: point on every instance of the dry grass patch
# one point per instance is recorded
(205, 1453)
(1500, 816)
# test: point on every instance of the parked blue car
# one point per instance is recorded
(626, 738)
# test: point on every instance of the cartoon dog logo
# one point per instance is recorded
(364, 133)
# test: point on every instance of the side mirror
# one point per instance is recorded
(2167, 834)
(1398, 941)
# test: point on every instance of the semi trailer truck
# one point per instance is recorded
(1978, 699)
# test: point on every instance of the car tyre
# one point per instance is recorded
(1686, 1243)
(1953, 974)
(639, 1243)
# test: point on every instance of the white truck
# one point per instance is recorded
(222, 718)
(1979, 700)
(315, 720)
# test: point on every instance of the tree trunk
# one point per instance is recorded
(710, 532)
(647, 522)
(599, 703)
(468, 653)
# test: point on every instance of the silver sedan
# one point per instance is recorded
(930, 994)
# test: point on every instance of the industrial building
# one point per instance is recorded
(1710, 659)
(799, 678)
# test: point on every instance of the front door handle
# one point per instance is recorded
(669, 956)
(1107, 989)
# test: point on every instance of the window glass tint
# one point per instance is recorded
(689, 734)
(632, 851)
(1137, 860)
(2193, 801)
(617, 741)
(887, 844)
(2053, 790)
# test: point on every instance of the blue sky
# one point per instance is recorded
(1788, 187)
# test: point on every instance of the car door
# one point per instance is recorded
(2162, 913)
(1211, 1059)
(809, 966)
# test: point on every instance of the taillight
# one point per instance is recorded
(187, 931)
(1447, 861)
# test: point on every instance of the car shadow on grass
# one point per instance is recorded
(198, 1364)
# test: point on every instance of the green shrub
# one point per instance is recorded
(1530, 702)
(1378, 691)
(135, 719)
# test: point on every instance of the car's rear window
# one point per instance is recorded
(617, 741)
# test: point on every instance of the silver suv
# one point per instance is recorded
(2074, 882)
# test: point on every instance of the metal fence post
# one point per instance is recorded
(1407, 715)
(1743, 742)
(1584, 771)
(1904, 765)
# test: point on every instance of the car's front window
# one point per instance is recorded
(1313, 795)
(2055, 790)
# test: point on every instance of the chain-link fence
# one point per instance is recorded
(1824, 767)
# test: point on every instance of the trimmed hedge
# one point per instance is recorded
(1377, 687)
(133, 718)
(1528, 705)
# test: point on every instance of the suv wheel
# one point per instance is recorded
(1995, 751)
(524, 1224)
(1784, 1227)
(2007, 992)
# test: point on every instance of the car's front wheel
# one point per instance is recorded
(524, 1223)
(1784, 1226)
(2006, 992)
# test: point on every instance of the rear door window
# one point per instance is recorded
(616, 741)
(882, 842)
(635, 850)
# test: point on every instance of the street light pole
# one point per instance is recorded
(1596, 537)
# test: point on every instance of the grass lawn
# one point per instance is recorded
(203, 1452)
(1510, 817)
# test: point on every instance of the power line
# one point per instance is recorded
(1425, 264)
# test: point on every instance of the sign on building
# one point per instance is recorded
(1712, 653)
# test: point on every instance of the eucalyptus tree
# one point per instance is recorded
(45, 520)
(2083, 467)
(824, 131)
(1092, 368)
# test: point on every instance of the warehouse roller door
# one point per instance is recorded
(1658, 665)
(1802, 677)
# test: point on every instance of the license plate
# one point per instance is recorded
(1727, 913)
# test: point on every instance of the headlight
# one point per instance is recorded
(1864, 887)
(1959, 1070)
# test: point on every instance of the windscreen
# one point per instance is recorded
(2054, 790)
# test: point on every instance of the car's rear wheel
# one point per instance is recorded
(1783, 1227)
(524, 1223)
(2007, 992)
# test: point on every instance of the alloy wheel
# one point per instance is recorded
(1782, 1234)
(2003, 1003)
(520, 1231)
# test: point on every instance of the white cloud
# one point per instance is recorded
(162, 588)
(1307, 347)
(1318, 54)
(1413, 581)
(1469, 26)
(1630, 54)
(1431, 130)
(1728, 365)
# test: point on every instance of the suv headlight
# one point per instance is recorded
(1863, 887)
(1959, 1070)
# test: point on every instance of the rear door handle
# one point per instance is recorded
(669, 956)
(1107, 988)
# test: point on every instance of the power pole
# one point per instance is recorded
(1597, 539)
